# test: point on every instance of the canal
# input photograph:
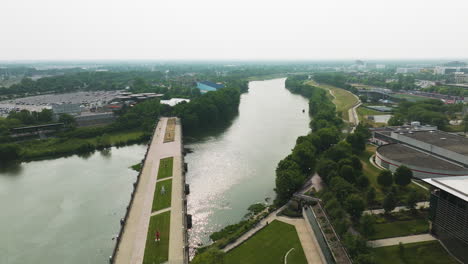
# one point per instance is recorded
(231, 170)
(65, 210)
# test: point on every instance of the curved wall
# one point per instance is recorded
(418, 172)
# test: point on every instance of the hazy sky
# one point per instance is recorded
(233, 29)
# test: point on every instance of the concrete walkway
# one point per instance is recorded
(308, 241)
(396, 240)
(397, 209)
(133, 241)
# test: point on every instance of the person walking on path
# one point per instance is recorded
(157, 237)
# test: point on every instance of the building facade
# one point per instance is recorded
(448, 214)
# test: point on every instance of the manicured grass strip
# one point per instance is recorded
(269, 246)
(165, 167)
(400, 228)
(162, 200)
(430, 252)
(158, 252)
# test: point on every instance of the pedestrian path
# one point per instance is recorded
(160, 211)
(397, 240)
(398, 208)
(308, 241)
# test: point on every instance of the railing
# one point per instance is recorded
(327, 253)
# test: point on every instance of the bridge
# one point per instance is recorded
(158, 204)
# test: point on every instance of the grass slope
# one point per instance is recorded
(269, 246)
(343, 99)
(415, 253)
(165, 167)
(158, 252)
(160, 200)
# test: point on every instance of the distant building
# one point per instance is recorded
(94, 119)
(207, 86)
(174, 101)
(71, 109)
(461, 77)
(441, 70)
(448, 214)
(408, 70)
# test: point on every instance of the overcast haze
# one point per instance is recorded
(234, 29)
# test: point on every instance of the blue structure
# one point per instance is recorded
(207, 86)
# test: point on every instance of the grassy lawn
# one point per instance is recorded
(158, 252)
(400, 224)
(165, 167)
(269, 246)
(430, 252)
(372, 172)
(343, 100)
(160, 200)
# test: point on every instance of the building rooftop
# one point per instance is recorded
(457, 185)
(212, 84)
(455, 143)
(410, 156)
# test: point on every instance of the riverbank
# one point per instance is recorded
(53, 148)
(344, 100)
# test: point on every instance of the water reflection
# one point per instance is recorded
(235, 166)
(11, 169)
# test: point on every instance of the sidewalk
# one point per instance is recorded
(397, 209)
(396, 240)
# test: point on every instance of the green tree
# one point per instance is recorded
(355, 205)
(325, 168)
(371, 195)
(347, 173)
(67, 120)
(362, 181)
(210, 256)
(341, 188)
(389, 202)
(9, 152)
(403, 175)
(412, 200)
(367, 224)
(385, 178)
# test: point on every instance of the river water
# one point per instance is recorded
(229, 171)
(65, 210)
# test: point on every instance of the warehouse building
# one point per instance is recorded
(448, 214)
(429, 153)
(207, 86)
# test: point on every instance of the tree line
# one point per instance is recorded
(334, 156)
(432, 111)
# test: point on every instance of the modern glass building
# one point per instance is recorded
(449, 214)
